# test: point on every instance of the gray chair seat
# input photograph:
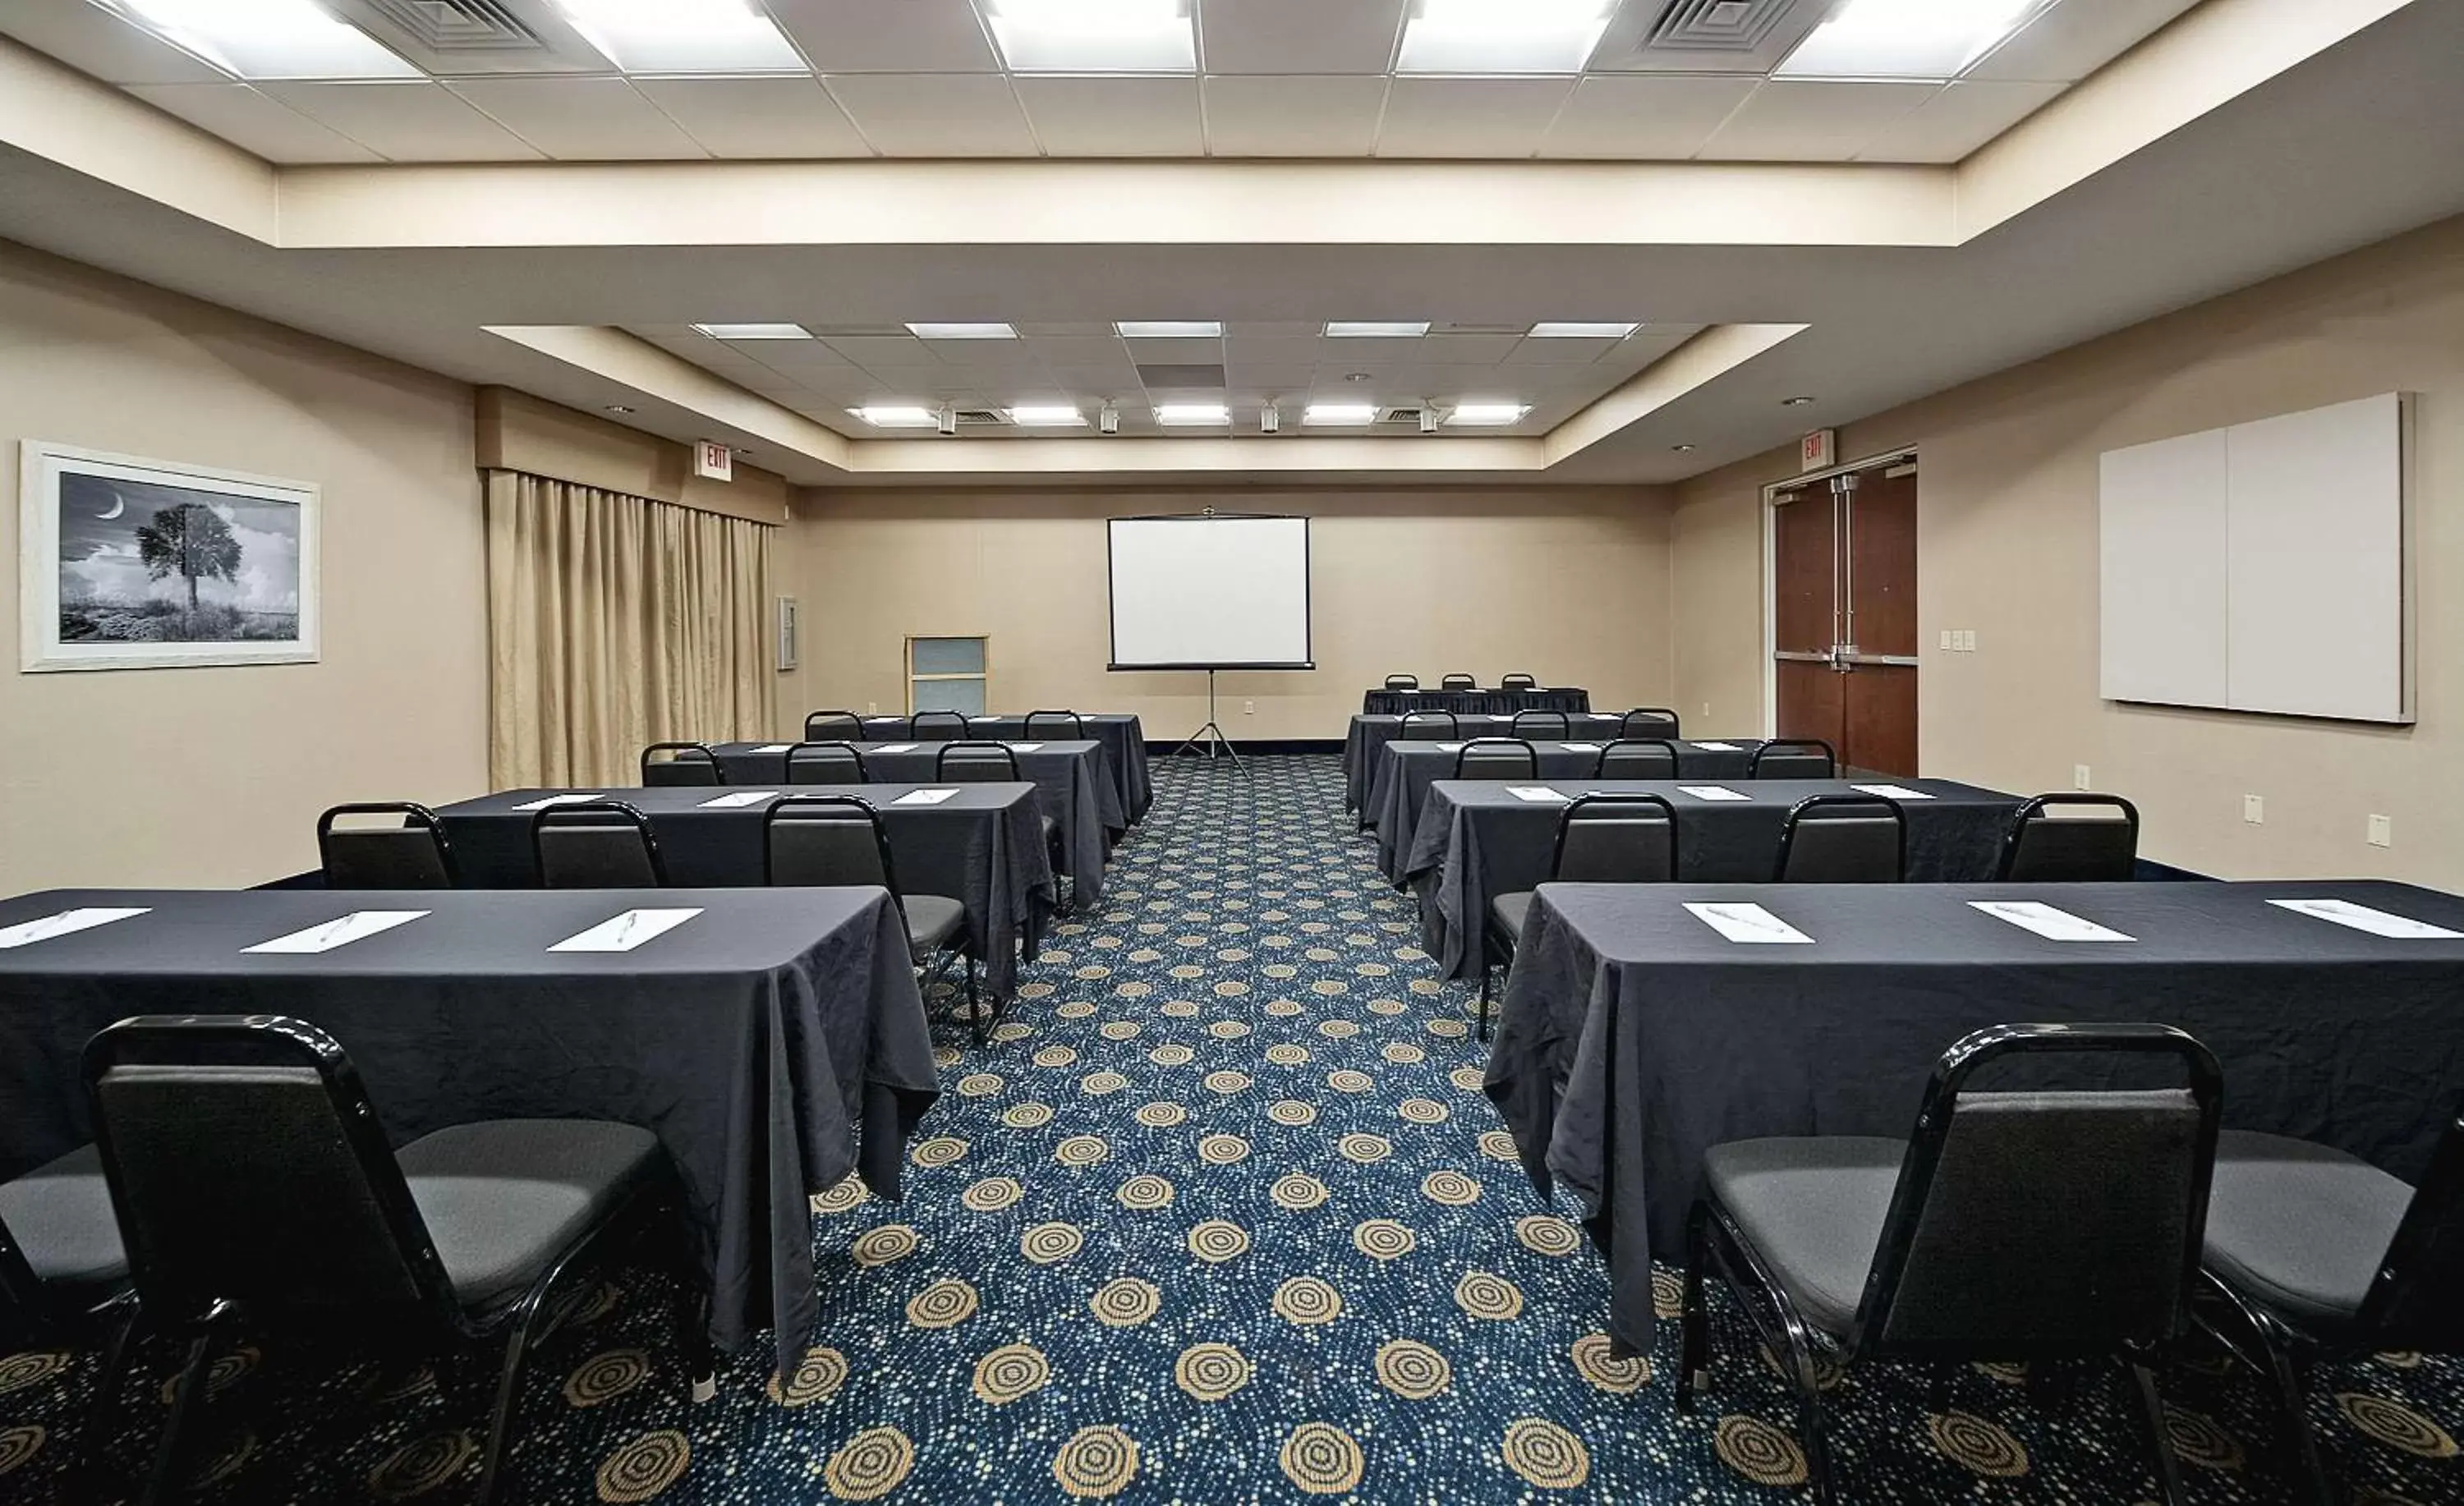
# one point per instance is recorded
(1506, 913)
(60, 1216)
(933, 923)
(2300, 1227)
(503, 1197)
(1813, 1210)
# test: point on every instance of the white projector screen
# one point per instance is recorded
(1208, 592)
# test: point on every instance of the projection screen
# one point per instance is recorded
(1210, 592)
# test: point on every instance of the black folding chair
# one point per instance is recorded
(1429, 726)
(833, 727)
(975, 763)
(65, 1283)
(1403, 681)
(1637, 759)
(596, 844)
(1518, 682)
(1543, 724)
(825, 763)
(254, 1181)
(1794, 758)
(838, 841)
(1843, 838)
(1458, 682)
(685, 764)
(1497, 758)
(1647, 723)
(2045, 848)
(937, 727)
(1601, 839)
(2020, 1226)
(1064, 725)
(413, 853)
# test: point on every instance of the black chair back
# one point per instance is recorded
(1497, 758)
(1796, 758)
(685, 764)
(1403, 681)
(1429, 726)
(2049, 1222)
(833, 727)
(1518, 682)
(1648, 722)
(2417, 1302)
(2045, 848)
(1637, 759)
(26, 1307)
(411, 854)
(825, 763)
(1056, 724)
(1843, 838)
(1543, 724)
(975, 763)
(247, 1165)
(1615, 838)
(1458, 682)
(828, 841)
(596, 844)
(937, 727)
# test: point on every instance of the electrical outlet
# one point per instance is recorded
(2253, 810)
(2079, 778)
(872, 707)
(1707, 708)
(2382, 831)
(1248, 708)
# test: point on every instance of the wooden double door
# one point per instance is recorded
(1845, 615)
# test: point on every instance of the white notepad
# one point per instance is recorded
(923, 797)
(340, 931)
(2360, 917)
(2046, 921)
(627, 932)
(1025, 747)
(896, 748)
(1536, 794)
(1712, 791)
(737, 800)
(1580, 747)
(1891, 792)
(544, 801)
(773, 747)
(1747, 923)
(1718, 747)
(25, 934)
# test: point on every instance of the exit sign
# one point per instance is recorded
(1819, 450)
(714, 460)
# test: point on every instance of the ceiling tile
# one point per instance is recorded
(889, 36)
(1468, 349)
(1811, 121)
(1255, 116)
(935, 114)
(2076, 38)
(255, 122)
(1558, 352)
(1114, 117)
(1299, 36)
(416, 121)
(1174, 352)
(771, 118)
(1643, 116)
(872, 352)
(94, 41)
(1076, 349)
(579, 119)
(1956, 122)
(1469, 116)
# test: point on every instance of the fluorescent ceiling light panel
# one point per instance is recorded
(1375, 329)
(1169, 329)
(1095, 36)
(1579, 328)
(683, 36)
(962, 331)
(1487, 414)
(1339, 413)
(898, 415)
(271, 39)
(1502, 37)
(1174, 415)
(1905, 38)
(754, 331)
(1046, 415)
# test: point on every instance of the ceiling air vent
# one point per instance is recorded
(457, 26)
(1718, 26)
(1410, 417)
(981, 418)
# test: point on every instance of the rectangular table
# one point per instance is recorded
(1367, 734)
(982, 846)
(1542, 698)
(1400, 789)
(1477, 840)
(1635, 1036)
(1068, 776)
(756, 1039)
(1124, 740)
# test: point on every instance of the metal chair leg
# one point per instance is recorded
(1694, 1355)
(2152, 1404)
(693, 1308)
(509, 1390)
(977, 1025)
(167, 1482)
(2293, 1399)
(85, 1469)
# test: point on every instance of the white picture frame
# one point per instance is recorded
(130, 563)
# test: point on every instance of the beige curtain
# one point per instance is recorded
(615, 621)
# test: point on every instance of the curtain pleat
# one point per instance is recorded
(615, 621)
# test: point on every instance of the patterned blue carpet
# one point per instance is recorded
(1223, 1218)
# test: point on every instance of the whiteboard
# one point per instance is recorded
(2163, 540)
(1208, 592)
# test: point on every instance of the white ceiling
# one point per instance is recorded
(923, 78)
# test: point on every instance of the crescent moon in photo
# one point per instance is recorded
(118, 505)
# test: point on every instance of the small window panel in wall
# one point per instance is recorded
(949, 674)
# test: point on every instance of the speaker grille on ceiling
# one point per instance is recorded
(449, 25)
(1718, 26)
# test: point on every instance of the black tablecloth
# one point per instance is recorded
(1399, 791)
(1068, 776)
(1124, 740)
(982, 847)
(1546, 698)
(1478, 839)
(1668, 1040)
(1367, 734)
(754, 1039)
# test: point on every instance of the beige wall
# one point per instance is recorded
(516, 432)
(215, 776)
(2007, 548)
(1567, 583)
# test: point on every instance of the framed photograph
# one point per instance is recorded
(146, 564)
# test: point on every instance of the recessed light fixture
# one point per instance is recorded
(1356, 376)
(1682, 449)
(962, 331)
(1487, 415)
(271, 39)
(1579, 328)
(898, 415)
(1319, 414)
(1169, 329)
(754, 331)
(1192, 415)
(669, 36)
(1094, 36)
(1047, 415)
(1795, 403)
(1905, 38)
(619, 407)
(1377, 329)
(1502, 37)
